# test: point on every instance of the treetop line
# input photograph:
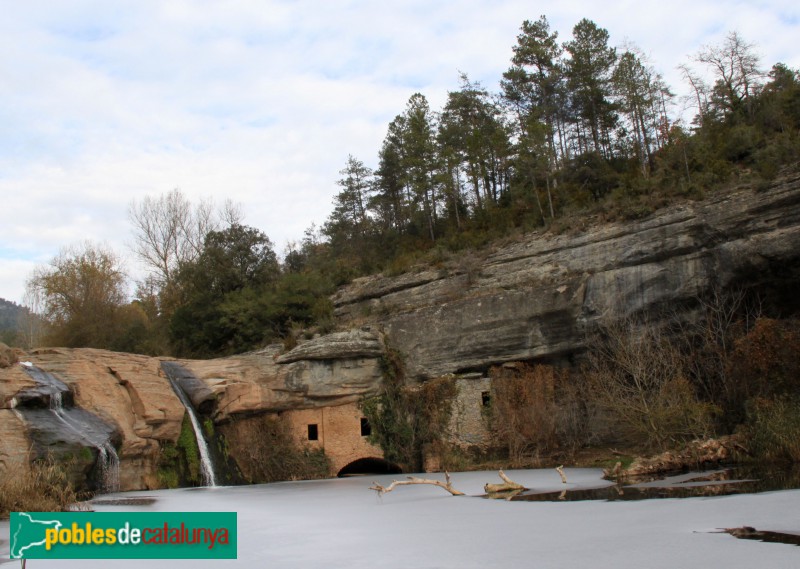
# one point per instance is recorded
(579, 126)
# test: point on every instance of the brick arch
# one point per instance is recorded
(369, 465)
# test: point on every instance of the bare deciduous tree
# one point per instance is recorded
(636, 375)
(169, 230)
(735, 66)
(700, 90)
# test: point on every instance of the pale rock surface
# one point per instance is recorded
(537, 297)
(132, 394)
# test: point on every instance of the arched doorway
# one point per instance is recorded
(369, 466)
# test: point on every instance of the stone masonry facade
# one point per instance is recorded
(468, 420)
(336, 430)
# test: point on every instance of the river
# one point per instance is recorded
(340, 523)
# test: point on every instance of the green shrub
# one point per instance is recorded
(405, 419)
(179, 462)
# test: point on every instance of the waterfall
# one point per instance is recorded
(172, 370)
(106, 453)
(85, 426)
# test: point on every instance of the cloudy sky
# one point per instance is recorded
(106, 101)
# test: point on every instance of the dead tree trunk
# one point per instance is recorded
(507, 486)
(447, 485)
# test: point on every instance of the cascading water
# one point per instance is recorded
(173, 372)
(109, 459)
(83, 425)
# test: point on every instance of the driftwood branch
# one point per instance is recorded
(560, 470)
(447, 485)
(508, 485)
(613, 473)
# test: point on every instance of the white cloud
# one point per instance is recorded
(102, 103)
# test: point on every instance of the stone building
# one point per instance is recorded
(342, 432)
(468, 426)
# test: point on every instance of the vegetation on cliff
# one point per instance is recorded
(579, 127)
(408, 421)
(266, 451)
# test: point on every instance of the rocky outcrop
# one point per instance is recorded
(537, 297)
(124, 391)
(531, 299)
(339, 345)
(331, 370)
(131, 402)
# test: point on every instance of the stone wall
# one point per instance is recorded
(338, 433)
(468, 426)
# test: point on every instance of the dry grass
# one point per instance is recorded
(43, 487)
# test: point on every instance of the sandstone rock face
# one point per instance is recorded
(133, 397)
(328, 371)
(537, 297)
(125, 391)
(14, 444)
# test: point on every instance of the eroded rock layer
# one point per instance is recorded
(131, 395)
(536, 297)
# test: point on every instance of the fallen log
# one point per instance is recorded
(613, 473)
(508, 485)
(447, 485)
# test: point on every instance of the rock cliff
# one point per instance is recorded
(130, 397)
(535, 298)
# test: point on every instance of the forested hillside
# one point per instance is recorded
(579, 129)
(10, 321)
(578, 126)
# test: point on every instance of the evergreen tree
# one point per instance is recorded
(589, 71)
(640, 94)
(473, 139)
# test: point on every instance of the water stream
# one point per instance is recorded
(174, 371)
(107, 454)
(80, 423)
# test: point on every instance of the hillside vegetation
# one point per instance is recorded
(580, 129)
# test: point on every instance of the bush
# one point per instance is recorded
(635, 376)
(44, 487)
(534, 412)
(765, 360)
(773, 428)
(265, 451)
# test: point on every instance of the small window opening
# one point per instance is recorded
(366, 428)
(313, 432)
(486, 398)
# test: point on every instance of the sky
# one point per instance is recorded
(261, 101)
